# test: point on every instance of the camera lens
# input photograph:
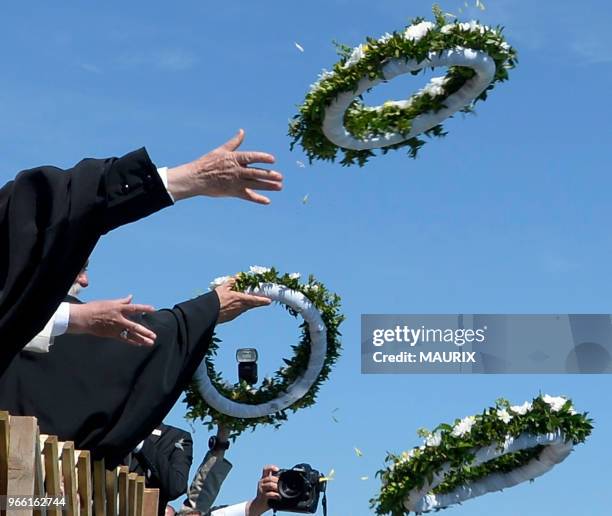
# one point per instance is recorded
(291, 484)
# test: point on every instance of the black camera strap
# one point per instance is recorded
(324, 503)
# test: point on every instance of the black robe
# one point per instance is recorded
(50, 221)
(107, 395)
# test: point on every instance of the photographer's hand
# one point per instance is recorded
(267, 489)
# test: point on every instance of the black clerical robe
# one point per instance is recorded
(106, 395)
(50, 221)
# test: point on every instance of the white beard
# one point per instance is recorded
(74, 290)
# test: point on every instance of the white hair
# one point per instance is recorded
(75, 289)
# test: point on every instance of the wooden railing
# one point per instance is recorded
(41, 475)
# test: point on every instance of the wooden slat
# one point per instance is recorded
(140, 487)
(70, 478)
(111, 492)
(4, 451)
(39, 474)
(99, 488)
(123, 490)
(84, 482)
(52, 472)
(151, 500)
(23, 432)
(132, 494)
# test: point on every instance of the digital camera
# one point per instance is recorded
(300, 488)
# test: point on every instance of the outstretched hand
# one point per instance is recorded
(110, 319)
(225, 172)
(232, 303)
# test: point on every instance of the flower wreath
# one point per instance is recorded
(502, 447)
(293, 387)
(332, 118)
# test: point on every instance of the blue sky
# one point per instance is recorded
(508, 214)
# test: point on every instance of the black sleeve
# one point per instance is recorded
(50, 221)
(105, 395)
(143, 384)
(170, 468)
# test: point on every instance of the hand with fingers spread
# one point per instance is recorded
(226, 172)
(111, 319)
(267, 489)
(232, 303)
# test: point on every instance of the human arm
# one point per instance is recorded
(267, 489)
(209, 476)
(51, 220)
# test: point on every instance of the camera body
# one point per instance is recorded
(300, 488)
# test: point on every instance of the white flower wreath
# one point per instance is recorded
(295, 386)
(500, 448)
(332, 119)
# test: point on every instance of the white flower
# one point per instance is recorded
(433, 439)
(385, 37)
(357, 55)
(505, 46)
(257, 269)
(556, 403)
(314, 288)
(521, 410)
(504, 415)
(435, 87)
(406, 456)
(464, 426)
(472, 26)
(448, 28)
(295, 275)
(322, 76)
(416, 32)
(218, 282)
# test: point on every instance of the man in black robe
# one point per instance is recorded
(50, 221)
(106, 396)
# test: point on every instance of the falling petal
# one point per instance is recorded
(449, 15)
(300, 164)
(305, 199)
(299, 47)
(335, 419)
(358, 452)
(364, 478)
(328, 477)
(480, 5)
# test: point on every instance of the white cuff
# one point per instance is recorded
(139, 447)
(42, 341)
(61, 320)
(163, 174)
(231, 510)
